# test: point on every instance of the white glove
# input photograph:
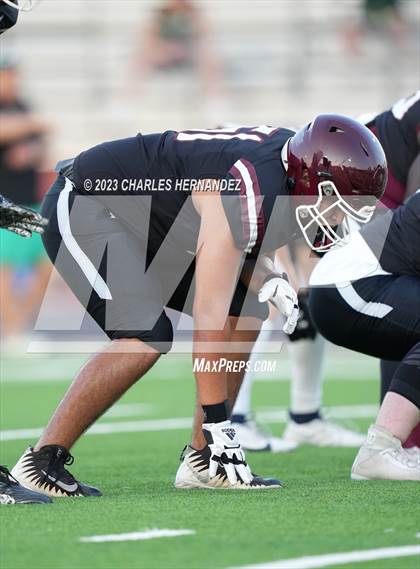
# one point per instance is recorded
(278, 291)
(226, 452)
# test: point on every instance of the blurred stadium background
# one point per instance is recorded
(278, 62)
(97, 70)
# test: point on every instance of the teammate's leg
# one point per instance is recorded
(307, 359)
(379, 316)
(382, 455)
(388, 368)
(405, 385)
(398, 415)
(306, 350)
(306, 424)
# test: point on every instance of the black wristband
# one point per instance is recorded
(275, 276)
(216, 413)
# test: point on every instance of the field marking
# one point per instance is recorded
(179, 423)
(130, 410)
(137, 535)
(152, 425)
(313, 561)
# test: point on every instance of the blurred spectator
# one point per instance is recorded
(381, 17)
(178, 39)
(24, 268)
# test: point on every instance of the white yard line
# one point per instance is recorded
(109, 428)
(130, 410)
(313, 561)
(137, 535)
(179, 423)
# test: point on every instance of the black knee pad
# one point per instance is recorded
(406, 380)
(160, 337)
(329, 314)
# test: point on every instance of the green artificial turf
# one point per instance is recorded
(318, 511)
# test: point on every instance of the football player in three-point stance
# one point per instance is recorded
(398, 130)
(192, 218)
(366, 296)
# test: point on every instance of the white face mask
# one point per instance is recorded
(22, 5)
(314, 225)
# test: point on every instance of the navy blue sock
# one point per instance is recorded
(237, 418)
(302, 418)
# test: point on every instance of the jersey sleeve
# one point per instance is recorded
(243, 206)
(258, 207)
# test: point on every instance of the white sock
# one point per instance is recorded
(307, 358)
(243, 401)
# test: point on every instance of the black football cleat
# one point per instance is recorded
(43, 471)
(11, 492)
(193, 472)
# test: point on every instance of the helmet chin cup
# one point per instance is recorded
(318, 233)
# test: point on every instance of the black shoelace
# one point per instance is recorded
(57, 464)
(5, 473)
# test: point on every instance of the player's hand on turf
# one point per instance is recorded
(20, 220)
(278, 291)
(226, 452)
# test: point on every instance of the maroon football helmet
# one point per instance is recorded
(337, 157)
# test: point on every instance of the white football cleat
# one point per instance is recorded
(193, 472)
(322, 433)
(413, 451)
(44, 471)
(382, 457)
(252, 437)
